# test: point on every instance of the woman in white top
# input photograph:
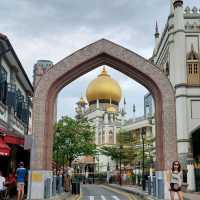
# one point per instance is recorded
(176, 180)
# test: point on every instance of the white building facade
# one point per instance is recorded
(15, 108)
(103, 97)
(177, 54)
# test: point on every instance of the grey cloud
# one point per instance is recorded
(53, 29)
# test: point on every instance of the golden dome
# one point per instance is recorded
(111, 109)
(103, 88)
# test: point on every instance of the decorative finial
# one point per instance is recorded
(157, 34)
(124, 101)
(134, 108)
(156, 27)
(171, 6)
(104, 72)
(192, 47)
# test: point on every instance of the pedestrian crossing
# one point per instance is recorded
(102, 197)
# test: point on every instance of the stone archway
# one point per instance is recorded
(83, 61)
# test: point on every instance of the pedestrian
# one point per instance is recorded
(2, 181)
(11, 184)
(176, 178)
(21, 174)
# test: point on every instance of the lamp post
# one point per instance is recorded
(93, 168)
(142, 132)
(67, 143)
(120, 163)
(108, 172)
(98, 161)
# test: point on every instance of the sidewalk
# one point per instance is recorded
(65, 196)
(138, 191)
(192, 196)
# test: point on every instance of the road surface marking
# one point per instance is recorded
(129, 196)
(103, 198)
(115, 197)
(91, 197)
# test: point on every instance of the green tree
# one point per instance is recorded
(135, 143)
(131, 149)
(72, 138)
(111, 151)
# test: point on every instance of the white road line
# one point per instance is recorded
(115, 197)
(91, 197)
(103, 198)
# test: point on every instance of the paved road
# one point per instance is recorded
(97, 192)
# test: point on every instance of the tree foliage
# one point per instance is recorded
(72, 138)
(130, 149)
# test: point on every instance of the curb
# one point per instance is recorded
(137, 193)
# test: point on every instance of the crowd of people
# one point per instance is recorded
(65, 175)
(13, 184)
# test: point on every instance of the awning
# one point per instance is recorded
(2, 129)
(11, 139)
(4, 148)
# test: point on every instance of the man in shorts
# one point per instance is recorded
(21, 174)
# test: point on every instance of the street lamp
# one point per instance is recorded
(142, 132)
(93, 168)
(120, 163)
(67, 143)
(98, 154)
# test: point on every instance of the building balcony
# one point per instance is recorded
(17, 124)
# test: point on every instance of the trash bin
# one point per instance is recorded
(75, 187)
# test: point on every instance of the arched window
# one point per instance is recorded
(193, 72)
(167, 69)
(103, 137)
(111, 138)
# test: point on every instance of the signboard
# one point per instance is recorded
(37, 177)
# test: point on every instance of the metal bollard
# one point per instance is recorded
(146, 185)
(154, 186)
(54, 185)
(149, 185)
(60, 184)
(160, 188)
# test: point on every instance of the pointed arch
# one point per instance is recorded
(84, 60)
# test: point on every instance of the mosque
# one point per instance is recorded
(103, 111)
(177, 55)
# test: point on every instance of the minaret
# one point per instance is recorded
(124, 106)
(179, 43)
(180, 78)
(171, 7)
(134, 112)
(157, 36)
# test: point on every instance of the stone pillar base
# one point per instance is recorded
(36, 183)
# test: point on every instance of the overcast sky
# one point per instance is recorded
(53, 29)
